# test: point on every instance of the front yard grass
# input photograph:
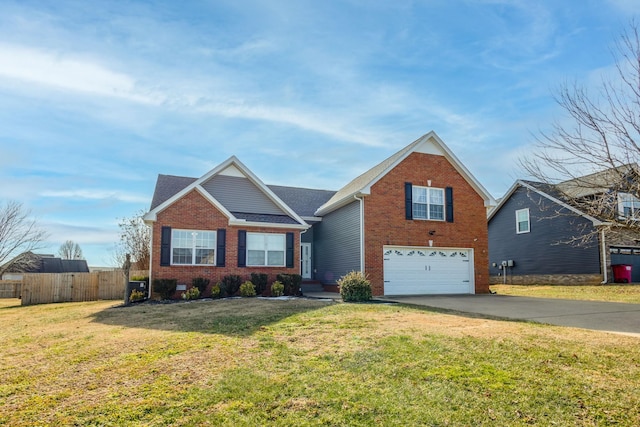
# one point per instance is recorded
(250, 362)
(612, 293)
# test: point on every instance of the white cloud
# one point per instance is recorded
(94, 194)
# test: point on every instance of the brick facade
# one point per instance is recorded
(194, 212)
(385, 223)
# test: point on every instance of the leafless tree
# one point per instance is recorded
(19, 236)
(135, 239)
(70, 250)
(590, 159)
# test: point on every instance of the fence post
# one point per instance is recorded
(126, 267)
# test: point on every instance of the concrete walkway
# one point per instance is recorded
(601, 316)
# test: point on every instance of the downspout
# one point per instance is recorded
(605, 279)
(300, 249)
(361, 200)
(150, 261)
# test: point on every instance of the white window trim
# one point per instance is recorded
(266, 250)
(428, 204)
(528, 230)
(194, 248)
(635, 213)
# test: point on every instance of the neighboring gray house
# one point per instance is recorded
(537, 235)
(45, 263)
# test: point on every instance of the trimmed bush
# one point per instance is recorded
(230, 284)
(291, 283)
(215, 291)
(277, 289)
(247, 289)
(201, 283)
(140, 279)
(354, 287)
(136, 295)
(260, 281)
(192, 293)
(165, 288)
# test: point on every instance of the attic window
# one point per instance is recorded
(628, 205)
(428, 203)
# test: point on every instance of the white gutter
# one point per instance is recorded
(361, 200)
(605, 279)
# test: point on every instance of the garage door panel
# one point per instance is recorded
(415, 271)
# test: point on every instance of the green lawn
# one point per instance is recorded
(614, 293)
(251, 362)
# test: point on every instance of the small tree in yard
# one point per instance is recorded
(135, 239)
(354, 287)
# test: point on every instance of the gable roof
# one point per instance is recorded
(170, 188)
(545, 190)
(429, 143)
(598, 182)
(43, 263)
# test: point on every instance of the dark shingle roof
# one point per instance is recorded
(167, 186)
(272, 219)
(303, 201)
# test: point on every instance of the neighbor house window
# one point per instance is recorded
(193, 247)
(266, 249)
(628, 205)
(428, 203)
(522, 221)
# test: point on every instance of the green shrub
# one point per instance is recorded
(260, 281)
(355, 287)
(136, 295)
(215, 291)
(277, 289)
(191, 293)
(247, 289)
(201, 283)
(230, 284)
(291, 283)
(165, 288)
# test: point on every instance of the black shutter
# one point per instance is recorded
(221, 240)
(408, 200)
(289, 252)
(448, 197)
(165, 246)
(242, 248)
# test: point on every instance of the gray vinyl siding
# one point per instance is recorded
(336, 249)
(240, 195)
(545, 249)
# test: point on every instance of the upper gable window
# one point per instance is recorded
(628, 205)
(428, 203)
(522, 221)
(193, 247)
(265, 249)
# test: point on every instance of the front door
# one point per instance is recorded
(305, 260)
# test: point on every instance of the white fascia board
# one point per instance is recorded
(312, 218)
(243, 223)
(204, 193)
(340, 203)
(455, 162)
(504, 199)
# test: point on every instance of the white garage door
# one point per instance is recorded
(419, 271)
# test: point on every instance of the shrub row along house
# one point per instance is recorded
(571, 232)
(414, 224)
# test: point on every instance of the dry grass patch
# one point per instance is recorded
(613, 293)
(304, 362)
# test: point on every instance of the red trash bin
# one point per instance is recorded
(621, 273)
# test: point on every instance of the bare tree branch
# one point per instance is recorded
(19, 236)
(135, 239)
(70, 250)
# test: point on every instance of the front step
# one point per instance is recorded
(311, 286)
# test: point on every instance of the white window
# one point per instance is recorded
(428, 203)
(522, 221)
(193, 247)
(628, 205)
(265, 249)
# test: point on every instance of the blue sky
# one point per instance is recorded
(98, 98)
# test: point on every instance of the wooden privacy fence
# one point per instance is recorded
(42, 288)
(10, 288)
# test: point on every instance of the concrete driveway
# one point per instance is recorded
(601, 316)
